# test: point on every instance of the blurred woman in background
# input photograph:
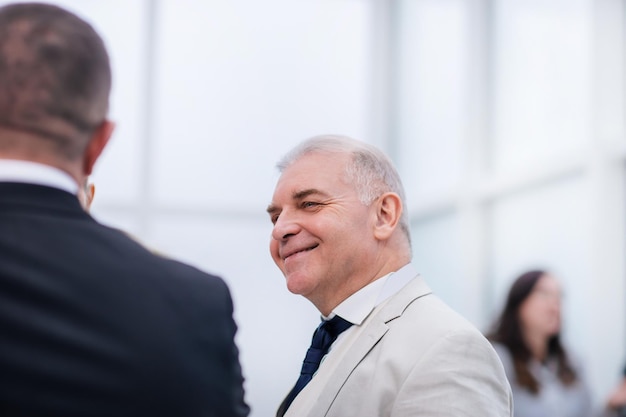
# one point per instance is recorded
(545, 379)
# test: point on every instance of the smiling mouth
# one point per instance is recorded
(300, 251)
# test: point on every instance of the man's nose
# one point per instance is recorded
(286, 225)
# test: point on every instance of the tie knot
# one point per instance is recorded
(328, 331)
(336, 326)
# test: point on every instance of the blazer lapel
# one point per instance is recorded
(375, 329)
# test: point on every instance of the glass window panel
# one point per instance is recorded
(240, 82)
(437, 256)
(545, 227)
(543, 59)
(432, 91)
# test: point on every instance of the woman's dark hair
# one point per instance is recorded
(508, 332)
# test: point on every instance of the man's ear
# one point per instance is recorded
(388, 212)
(98, 141)
(90, 192)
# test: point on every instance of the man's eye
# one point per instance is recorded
(274, 218)
(308, 204)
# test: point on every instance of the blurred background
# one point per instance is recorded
(504, 117)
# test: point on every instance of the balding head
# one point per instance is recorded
(55, 80)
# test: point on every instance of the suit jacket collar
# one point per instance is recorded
(24, 197)
(375, 329)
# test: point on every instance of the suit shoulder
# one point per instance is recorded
(118, 251)
(190, 273)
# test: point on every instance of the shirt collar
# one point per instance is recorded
(359, 305)
(35, 173)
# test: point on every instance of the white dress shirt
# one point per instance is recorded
(356, 309)
(12, 170)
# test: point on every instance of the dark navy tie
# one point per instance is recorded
(324, 336)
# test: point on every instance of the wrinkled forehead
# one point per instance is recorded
(313, 166)
(321, 171)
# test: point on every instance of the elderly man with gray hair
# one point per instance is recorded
(386, 346)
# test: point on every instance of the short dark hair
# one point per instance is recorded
(55, 75)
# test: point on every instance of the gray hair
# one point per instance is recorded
(370, 170)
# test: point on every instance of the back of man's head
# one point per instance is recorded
(55, 79)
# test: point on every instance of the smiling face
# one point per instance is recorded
(323, 237)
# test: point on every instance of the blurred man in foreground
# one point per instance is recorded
(91, 323)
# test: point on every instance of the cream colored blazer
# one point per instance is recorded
(414, 356)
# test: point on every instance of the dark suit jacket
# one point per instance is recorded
(93, 324)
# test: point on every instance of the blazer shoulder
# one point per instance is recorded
(427, 314)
